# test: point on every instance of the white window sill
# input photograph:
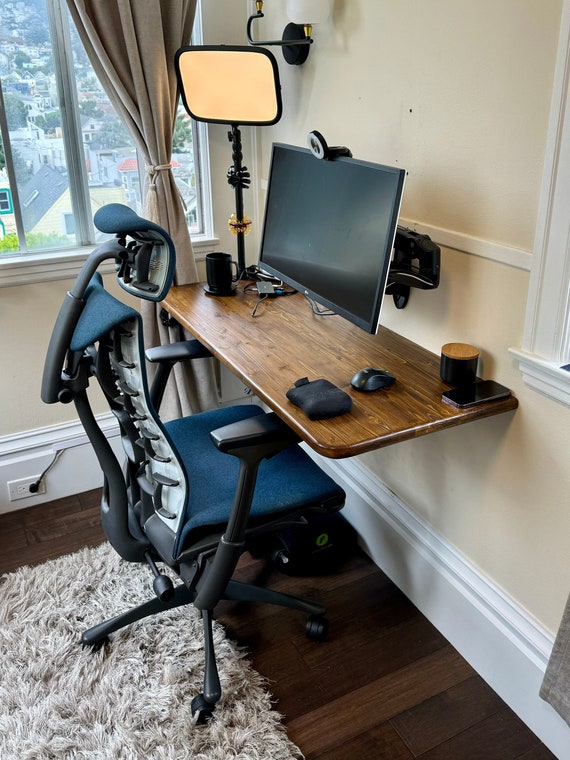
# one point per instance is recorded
(59, 265)
(543, 376)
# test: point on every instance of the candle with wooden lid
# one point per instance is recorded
(458, 364)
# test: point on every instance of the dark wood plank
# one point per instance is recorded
(502, 735)
(360, 710)
(33, 535)
(538, 752)
(288, 341)
(380, 742)
(438, 719)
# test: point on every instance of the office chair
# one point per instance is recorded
(193, 492)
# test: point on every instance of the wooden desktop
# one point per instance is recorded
(286, 341)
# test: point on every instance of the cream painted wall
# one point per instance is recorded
(27, 315)
(457, 92)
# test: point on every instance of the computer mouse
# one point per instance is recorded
(371, 379)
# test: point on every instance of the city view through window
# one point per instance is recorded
(57, 167)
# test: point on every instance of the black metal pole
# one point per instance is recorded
(238, 178)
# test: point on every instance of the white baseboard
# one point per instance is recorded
(500, 640)
(29, 454)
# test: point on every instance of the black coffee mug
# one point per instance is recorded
(219, 274)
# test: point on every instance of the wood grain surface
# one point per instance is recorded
(286, 341)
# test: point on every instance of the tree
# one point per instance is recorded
(21, 59)
(89, 107)
(16, 112)
(113, 134)
(49, 121)
(182, 136)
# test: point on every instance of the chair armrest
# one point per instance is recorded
(254, 438)
(178, 352)
(250, 440)
(166, 357)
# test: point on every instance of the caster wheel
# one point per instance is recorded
(317, 628)
(95, 646)
(204, 710)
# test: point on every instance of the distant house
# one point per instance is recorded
(46, 202)
(129, 171)
(39, 195)
(7, 223)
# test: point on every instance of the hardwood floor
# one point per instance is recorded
(386, 684)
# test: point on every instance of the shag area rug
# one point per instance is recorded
(131, 699)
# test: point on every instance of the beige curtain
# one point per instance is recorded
(131, 46)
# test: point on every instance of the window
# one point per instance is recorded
(6, 201)
(545, 353)
(59, 165)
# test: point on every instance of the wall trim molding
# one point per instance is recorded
(29, 269)
(29, 453)
(543, 375)
(500, 640)
(62, 435)
(459, 241)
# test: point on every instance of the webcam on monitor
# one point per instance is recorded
(320, 149)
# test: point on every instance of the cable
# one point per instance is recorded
(259, 300)
(34, 487)
(318, 311)
(267, 290)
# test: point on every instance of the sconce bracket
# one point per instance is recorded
(294, 42)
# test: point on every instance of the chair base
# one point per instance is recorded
(203, 705)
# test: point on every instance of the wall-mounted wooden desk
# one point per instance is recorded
(286, 341)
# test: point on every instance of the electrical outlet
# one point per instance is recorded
(20, 489)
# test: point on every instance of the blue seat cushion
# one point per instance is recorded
(288, 482)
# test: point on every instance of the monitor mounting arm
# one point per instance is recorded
(415, 264)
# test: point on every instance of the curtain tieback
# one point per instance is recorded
(152, 171)
(151, 199)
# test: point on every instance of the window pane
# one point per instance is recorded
(184, 169)
(35, 188)
(33, 120)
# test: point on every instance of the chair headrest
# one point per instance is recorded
(148, 270)
(116, 218)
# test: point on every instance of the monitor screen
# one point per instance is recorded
(329, 229)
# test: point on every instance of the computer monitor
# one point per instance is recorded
(329, 229)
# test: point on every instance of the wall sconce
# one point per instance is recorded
(296, 40)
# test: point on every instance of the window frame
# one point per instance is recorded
(24, 267)
(546, 341)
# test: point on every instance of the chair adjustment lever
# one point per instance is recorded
(162, 585)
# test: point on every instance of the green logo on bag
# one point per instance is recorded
(323, 539)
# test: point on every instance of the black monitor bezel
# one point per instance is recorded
(371, 324)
